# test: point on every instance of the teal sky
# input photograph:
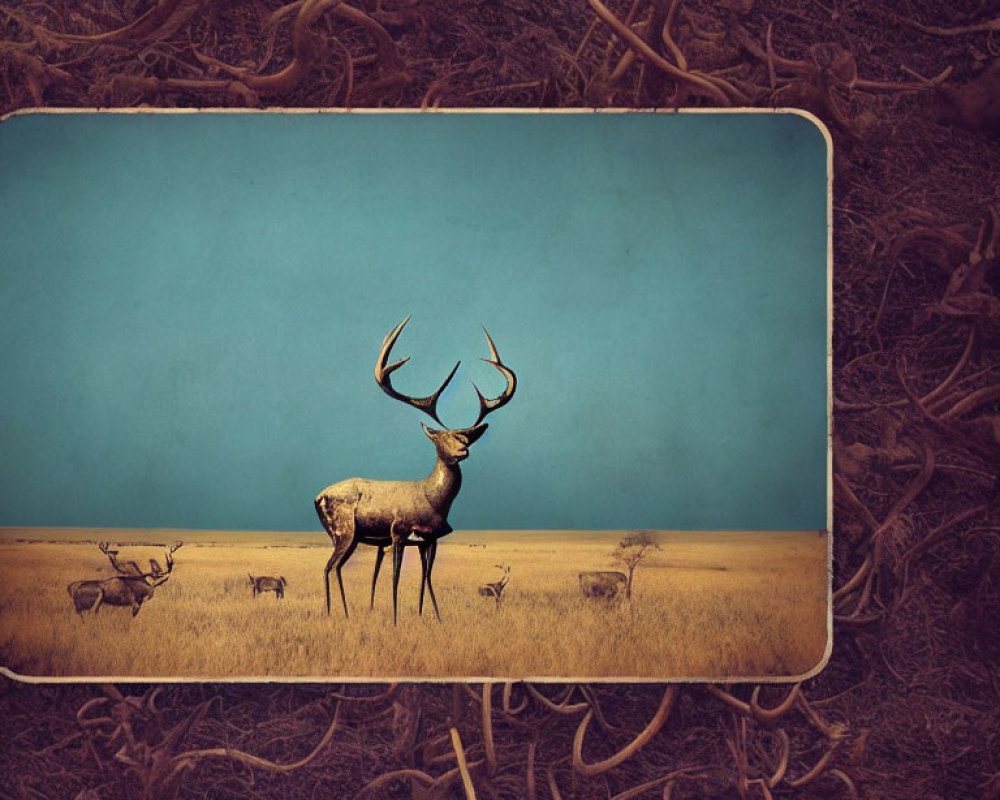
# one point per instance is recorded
(191, 306)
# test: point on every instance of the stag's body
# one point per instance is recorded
(420, 505)
(398, 514)
(91, 595)
(265, 583)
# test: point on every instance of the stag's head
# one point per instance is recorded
(157, 573)
(452, 444)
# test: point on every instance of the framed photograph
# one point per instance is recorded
(230, 392)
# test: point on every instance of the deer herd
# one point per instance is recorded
(131, 587)
(382, 514)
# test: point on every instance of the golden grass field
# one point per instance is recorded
(707, 605)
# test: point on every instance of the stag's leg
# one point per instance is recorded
(431, 554)
(326, 580)
(71, 589)
(338, 520)
(398, 546)
(341, 559)
(81, 607)
(341, 552)
(378, 565)
(422, 548)
(97, 603)
(399, 533)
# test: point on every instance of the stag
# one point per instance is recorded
(495, 589)
(603, 585)
(265, 583)
(131, 587)
(385, 514)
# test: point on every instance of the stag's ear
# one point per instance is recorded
(431, 433)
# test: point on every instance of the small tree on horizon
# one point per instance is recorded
(631, 550)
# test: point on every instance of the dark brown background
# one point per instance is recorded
(908, 706)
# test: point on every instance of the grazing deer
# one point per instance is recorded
(265, 583)
(131, 587)
(385, 514)
(603, 585)
(495, 590)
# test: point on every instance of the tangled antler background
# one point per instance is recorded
(908, 705)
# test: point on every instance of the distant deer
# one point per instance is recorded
(603, 585)
(385, 514)
(265, 583)
(131, 587)
(495, 590)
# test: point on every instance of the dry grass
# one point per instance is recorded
(706, 605)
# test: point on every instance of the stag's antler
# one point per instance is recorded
(170, 555)
(486, 406)
(383, 371)
(429, 404)
(129, 569)
(158, 574)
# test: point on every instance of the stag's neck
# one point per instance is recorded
(442, 485)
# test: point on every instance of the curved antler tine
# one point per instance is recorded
(488, 405)
(383, 370)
